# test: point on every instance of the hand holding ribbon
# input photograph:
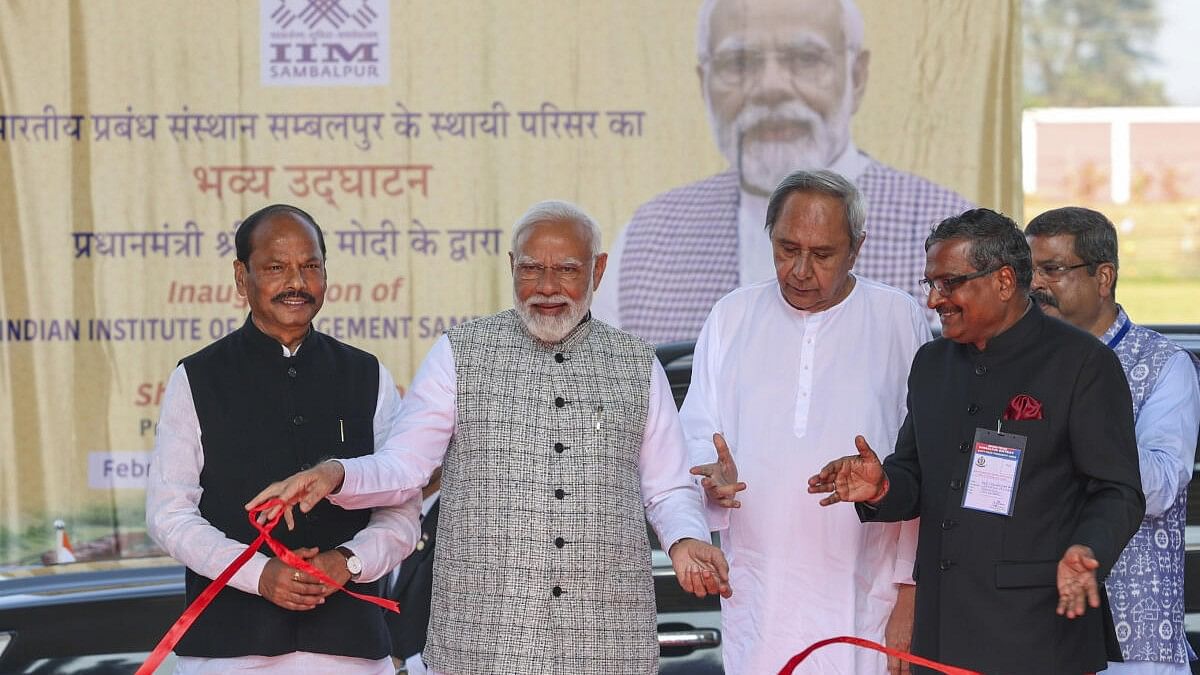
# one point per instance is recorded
(181, 626)
(306, 488)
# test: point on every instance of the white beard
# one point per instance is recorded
(763, 165)
(552, 329)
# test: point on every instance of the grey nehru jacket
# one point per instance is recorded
(543, 563)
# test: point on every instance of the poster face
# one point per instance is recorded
(135, 136)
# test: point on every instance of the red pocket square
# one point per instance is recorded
(1023, 407)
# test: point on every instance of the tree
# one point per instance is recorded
(1091, 53)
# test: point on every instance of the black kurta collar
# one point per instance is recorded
(1012, 341)
(265, 344)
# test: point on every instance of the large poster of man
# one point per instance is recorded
(135, 135)
(781, 81)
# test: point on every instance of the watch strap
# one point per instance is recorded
(348, 555)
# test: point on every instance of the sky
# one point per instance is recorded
(1177, 49)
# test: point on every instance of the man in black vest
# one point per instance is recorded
(1019, 456)
(271, 398)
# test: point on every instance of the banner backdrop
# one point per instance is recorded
(135, 134)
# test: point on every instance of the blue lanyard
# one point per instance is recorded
(1116, 339)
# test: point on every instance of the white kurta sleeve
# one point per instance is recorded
(392, 531)
(173, 494)
(398, 470)
(700, 415)
(906, 552)
(672, 500)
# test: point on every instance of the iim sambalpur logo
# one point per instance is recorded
(324, 42)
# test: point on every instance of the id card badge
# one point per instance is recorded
(995, 471)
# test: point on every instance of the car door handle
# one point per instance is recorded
(699, 638)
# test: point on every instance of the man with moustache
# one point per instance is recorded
(1075, 278)
(780, 375)
(558, 438)
(781, 80)
(1019, 456)
(269, 399)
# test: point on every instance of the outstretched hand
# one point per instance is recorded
(854, 478)
(720, 480)
(307, 488)
(1077, 581)
(700, 568)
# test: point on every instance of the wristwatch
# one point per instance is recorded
(353, 562)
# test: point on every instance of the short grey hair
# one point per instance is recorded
(853, 27)
(553, 211)
(827, 183)
(995, 240)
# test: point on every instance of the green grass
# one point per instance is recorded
(1150, 300)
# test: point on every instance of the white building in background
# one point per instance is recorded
(1116, 155)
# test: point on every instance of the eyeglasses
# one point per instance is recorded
(740, 67)
(946, 285)
(1056, 272)
(534, 272)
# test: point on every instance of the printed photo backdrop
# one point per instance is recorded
(135, 134)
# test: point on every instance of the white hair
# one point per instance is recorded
(827, 183)
(853, 27)
(553, 210)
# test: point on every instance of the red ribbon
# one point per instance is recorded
(859, 642)
(185, 621)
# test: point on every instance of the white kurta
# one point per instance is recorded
(790, 390)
